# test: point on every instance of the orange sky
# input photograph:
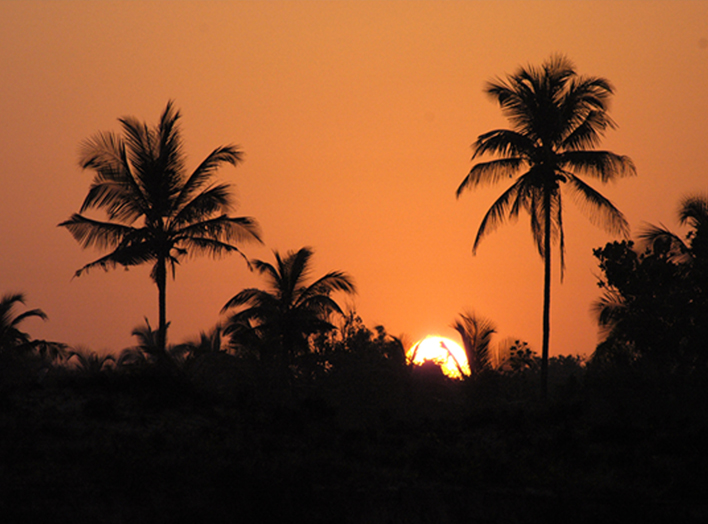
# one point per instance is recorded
(356, 119)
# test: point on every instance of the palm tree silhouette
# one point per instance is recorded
(157, 213)
(283, 317)
(557, 118)
(89, 362)
(11, 337)
(209, 342)
(657, 299)
(693, 212)
(16, 340)
(476, 334)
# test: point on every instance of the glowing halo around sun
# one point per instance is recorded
(446, 353)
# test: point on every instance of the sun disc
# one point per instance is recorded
(444, 352)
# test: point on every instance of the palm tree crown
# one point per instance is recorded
(289, 311)
(476, 333)
(692, 212)
(557, 117)
(157, 212)
(11, 336)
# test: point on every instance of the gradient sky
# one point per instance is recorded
(356, 119)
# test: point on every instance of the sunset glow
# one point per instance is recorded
(356, 120)
(446, 353)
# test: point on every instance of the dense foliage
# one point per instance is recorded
(654, 310)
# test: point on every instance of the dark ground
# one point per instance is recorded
(353, 447)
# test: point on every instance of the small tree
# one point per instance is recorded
(476, 333)
(12, 338)
(283, 317)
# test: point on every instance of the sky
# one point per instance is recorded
(356, 119)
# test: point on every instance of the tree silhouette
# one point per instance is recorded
(693, 212)
(282, 318)
(157, 213)
(654, 305)
(11, 337)
(208, 343)
(89, 362)
(557, 118)
(16, 340)
(476, 333)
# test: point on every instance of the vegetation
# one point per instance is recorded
(294, 410)
(654, 310)
(281, 319)
(557, 118)
(157, 213)
(360, 437)
(476, 334)
(13, 339)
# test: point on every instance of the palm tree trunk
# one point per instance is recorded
(161, 278)
(546, 292)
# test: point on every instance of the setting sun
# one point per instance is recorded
(446, 353)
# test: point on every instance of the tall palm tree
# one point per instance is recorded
(284, 316)
(157, 212)
(557, 117)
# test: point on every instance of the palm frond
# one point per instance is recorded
(491, 172)
(37, 313)
(216, 199)
(131, 254)
(499, 211)
(204, 173)
(321, 305)
(194, 246)
(476, 334)
(588, 92)
(248, 296)
(660, 239)
(693, 211)
(297, 266)
(331, 282)
(609, 310)
(502, 142)
(104, 152)
(599, 210)
(588, 132)
(604, 165)
(114, 186)
(269, 271)
(89, 232)
(117, 198)
(238, 229)
(140, 148)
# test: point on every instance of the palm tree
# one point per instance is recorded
(655, 301)
(11, 337)
(210, 342)
(284, 316)
(89, 362)
(693, 212)
(157, 212)
(476, 334)
(557, 118)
